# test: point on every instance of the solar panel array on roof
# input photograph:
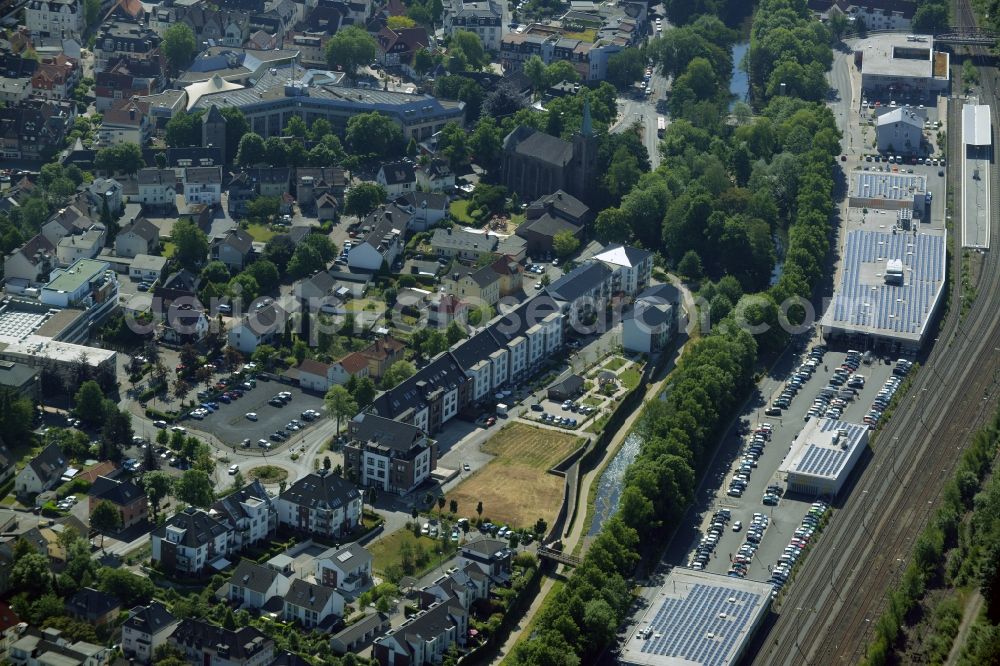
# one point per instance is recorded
(895, 186)
(870, 302)
(702, 627)
(827, 461)
(18, 325)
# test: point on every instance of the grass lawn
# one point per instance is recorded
(459, 210)
(260, 232)
(169, 248)
(593, 401)
(614, 363)
(267, 474)
(630, 378)
(388, 551)
(363, 304)
(515, 487)
(588, 35)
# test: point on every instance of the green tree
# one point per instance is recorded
(690, 265)
(423, 61)
(374, 134)
(559, 71)
(124, 157)
(243, 287)
(89, 402)
(178, 46)
(251, 150)
(930, 17)
(157, 486)
(279, 251)
(471, 47)
(320, 129)
(190, 244)
(565, 243)
(91, 11)
(276, 151)
(105, 518)
(30, 574)
(485, 142)
(125, 585)
(237, 126)
(363, 198)
(364, 391)
(265, 273)
(196, 488)
(264, 209)
(625, 68)
(534, 69)
(116, 434)
(296, 127)
(455, 332)
(340, 403)
(350, 48)
(305, 261)
(397, 373)
(184, 129)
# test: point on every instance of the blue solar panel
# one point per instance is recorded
(692, 628)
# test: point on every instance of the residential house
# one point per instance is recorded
(10, 627)
(146, 629)
(552, 214)
(462, 244)
(651, 324)
(262, 41)
(191, 542)
(466, 586)
(632, 268)
(900, 132)
(311, 45)
(425, 637)
(315, 291)
(138, 237)
(435, 177)
(76, 246)
(126, 496)
(48, 647)
(34, 129)
(93, 606)
(128, 9)
(352, 365)
(15, 91)
(312, 182)
(381, 354)
(119, 84)
(55, 17)
(397, 178)
(359, 634)
(384, 241)
(584, 291)
(209, 644)
(105, 192)
(55, 77)
(492, 557)
(183, 323)
(326, 505)
(484, 18)
(128, 122)
(250, 513)
(69, 220)
(26, 381)
(390, 455)
(252, 585)
(443, 309)
(428, 399)
(157, 187)
(425, 208)
(396, 48)
(203, 185)
(326, 207)
(312, 605)
(476, 286)
(31, 262)
(210, 25)
(235, 249)
(347, 569)
(261, 325)
(124, 37)
(42, 472)
(315, 375)
(510, 273)
(88, 284)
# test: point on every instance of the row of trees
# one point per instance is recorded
(789, 51)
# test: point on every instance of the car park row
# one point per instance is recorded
(751, 454)
(800, 539)
(711, 539)
(740, 562)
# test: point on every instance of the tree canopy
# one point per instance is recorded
(350, 48)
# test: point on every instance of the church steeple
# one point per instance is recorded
(587, 129)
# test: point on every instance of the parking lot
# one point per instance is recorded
(230, 425)
(784, 518)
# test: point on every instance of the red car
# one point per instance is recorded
(491, 421)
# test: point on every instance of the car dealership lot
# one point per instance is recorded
(230, 425)
(787, 515)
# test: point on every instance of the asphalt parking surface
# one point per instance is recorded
(784, 518)
(230, 425)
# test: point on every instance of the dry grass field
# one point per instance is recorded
(514, 487)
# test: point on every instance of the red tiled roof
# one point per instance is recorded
(314, 367)
(354, 363)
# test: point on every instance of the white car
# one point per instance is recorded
(160, 424)
(251, 416)
(180, 429)
(737, 526)
(233, 469)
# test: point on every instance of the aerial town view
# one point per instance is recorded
(513, 332)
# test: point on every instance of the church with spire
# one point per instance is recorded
(535, 163)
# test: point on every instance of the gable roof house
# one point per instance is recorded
(147, 628)
(466, 586)
(397, 47)
(235, 249)
(182, 322)
(252, 585)
(435, 177)
(105, 191)
(425, 208)
(42, 472)
(312, 605)
(314, 375)
(428, 399)
(381, 354)
(157, 188)
(552, 214)
(262, 325)
(126, 496)
(491, 556)
(191, 542)
(397, 178)
(138, 237)
(249, 512)
(632, 267)
(93, 606)
(81, 245)
(359, 634)
(31, 262)
(476, 286)
(425, 637)
(203, 185)
(69, 220)
(312, 182)
(347, 569)
(125, 122)
(204, 643)
(383, 242)
(326, 207)
(323, 504)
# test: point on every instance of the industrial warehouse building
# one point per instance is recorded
(698, 618)
(822, 457)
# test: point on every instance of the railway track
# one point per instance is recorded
(830, 610)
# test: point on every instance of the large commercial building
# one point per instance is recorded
(889, 191)
(897, 64)
(698, 618)
(890, 288)
(283, 92)
(822, 457)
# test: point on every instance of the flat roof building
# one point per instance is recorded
(822, 456)
(901, 64)
(889, 191)
(977, 160)
(698, 618)
(977, 128)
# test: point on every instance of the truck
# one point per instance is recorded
(661, 126)
(502, 409)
